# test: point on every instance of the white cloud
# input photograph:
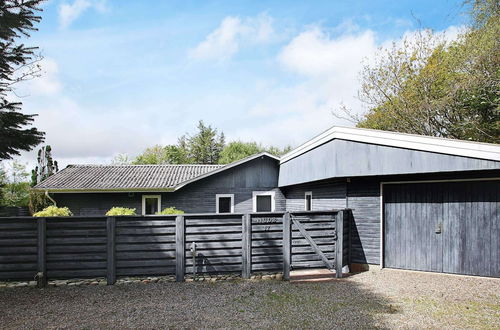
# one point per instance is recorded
(231, 35)
(70, 12)
(314, 52)
(328, 68)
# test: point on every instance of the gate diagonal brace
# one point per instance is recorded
(313, 244)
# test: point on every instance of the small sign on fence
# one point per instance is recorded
(267, 220)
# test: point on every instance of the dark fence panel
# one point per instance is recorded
(145, 246)
(322, 229)
(267, 242)
(80, 247)
(18, 248)
(218, 241)
(76, 247)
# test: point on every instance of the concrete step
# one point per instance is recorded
(312, 275)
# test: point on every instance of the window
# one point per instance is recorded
(224, 203)
(151, 204)
(308, 201)
(263, 201)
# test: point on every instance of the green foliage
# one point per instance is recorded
(17, 63)
(431, 87)
(38, 201)
(237, 150)
(207, 146)
(204, 147)
(46, 166)
(15, 190)
(54, 211)
(120, 211)
(170, 210)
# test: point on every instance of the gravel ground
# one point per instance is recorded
(381, 299)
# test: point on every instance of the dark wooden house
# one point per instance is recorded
(419, 203)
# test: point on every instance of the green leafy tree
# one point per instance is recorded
(206, 145)
(16, 191)
(431, 87)
(18, 62)
(237, 150)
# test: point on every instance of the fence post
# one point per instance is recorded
(246, 252)
(180, 248)
(287, 246)
(110, 247)
(41, 275)
(339, 249)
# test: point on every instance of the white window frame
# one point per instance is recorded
(308, 193)
(271, 193)
(217, 196)
(144, 202)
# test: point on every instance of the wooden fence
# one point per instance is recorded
(82, 247)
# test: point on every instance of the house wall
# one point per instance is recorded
(342, 158)
(362, 196)
(198, 197)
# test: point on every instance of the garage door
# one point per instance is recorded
(450, 227)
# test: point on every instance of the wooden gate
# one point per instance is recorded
(322, 235)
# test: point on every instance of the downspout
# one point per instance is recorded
(50, 198)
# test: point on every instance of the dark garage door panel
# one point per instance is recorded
(468, 214)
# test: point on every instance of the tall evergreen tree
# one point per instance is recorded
(46, 166)
(18, 62)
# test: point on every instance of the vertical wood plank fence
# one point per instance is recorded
(44, 249)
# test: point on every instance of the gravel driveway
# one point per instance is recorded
(382, 299)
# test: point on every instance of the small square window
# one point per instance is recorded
(263, 201)
(225, 203)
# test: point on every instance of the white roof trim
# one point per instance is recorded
(228, 166)
(400, 140)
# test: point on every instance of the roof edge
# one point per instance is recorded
(487, 151)
(115, 190)
(228, 166)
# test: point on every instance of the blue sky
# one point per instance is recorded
(120, 76)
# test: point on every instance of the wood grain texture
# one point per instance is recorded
(447, 227)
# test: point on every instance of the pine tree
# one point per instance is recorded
(18, 62)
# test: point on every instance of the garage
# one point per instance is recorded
(442, 226)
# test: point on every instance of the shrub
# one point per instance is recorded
(38, 201)
(170, 210)
(120, 211)
(54, 211)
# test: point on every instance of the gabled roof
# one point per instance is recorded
(228, 166)
(128, 178)
(478, 150)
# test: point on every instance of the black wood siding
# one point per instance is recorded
(198, 197)
(465, 214)
(363, 197)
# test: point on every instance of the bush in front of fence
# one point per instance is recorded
(54, 211)
(120, 211)
(170, 210)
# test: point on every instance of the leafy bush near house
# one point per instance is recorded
(170, 210)
(54, 211)
(120, 211)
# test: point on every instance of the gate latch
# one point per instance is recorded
(439, 228)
